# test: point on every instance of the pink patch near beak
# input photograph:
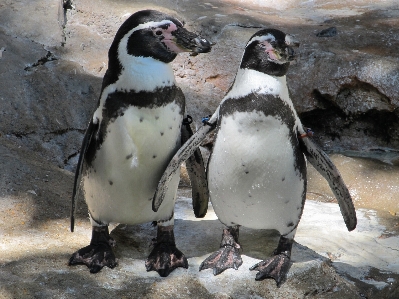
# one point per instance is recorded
(169, 39)
(171, 45)
(270, 50)
(272, 55)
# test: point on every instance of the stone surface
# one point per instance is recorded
(53, 55)
(344, 87)
(328, 261)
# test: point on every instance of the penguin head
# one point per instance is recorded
(269, 51)
(150, 33)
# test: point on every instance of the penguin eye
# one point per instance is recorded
(158, 32)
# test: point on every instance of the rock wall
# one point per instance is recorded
(345, 87)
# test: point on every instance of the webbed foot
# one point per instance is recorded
(277, 266)
(228, 256)
(98, 254)
(165, 257)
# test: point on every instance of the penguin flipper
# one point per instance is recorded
(196, 172)
(182, 155)
(323, 164)
(78, 174)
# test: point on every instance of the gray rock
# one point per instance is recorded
(329, 32)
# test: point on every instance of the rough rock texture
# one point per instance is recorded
(53, 54)
(328, 261)
(344, 87)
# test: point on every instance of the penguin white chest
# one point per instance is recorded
(253, 178)
(126, 169)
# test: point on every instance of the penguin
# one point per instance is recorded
(134, 132)
(257, 168)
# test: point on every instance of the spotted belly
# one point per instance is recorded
(123, 176)
(255, 178)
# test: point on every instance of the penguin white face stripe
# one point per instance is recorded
(150, 25)
(269, 37)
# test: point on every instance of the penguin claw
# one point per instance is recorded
(98, 254)
(95, 257)
(275, 267)
(226, 257)
(164, 259)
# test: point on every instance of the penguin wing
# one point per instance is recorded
(196, 172)
(182, 155)
(78, 174)
(323, 164)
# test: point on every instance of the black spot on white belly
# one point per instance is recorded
(154, 156)
(111, 182)
(161, 133)
(246, 171)
(269, 105)
(290, 224)
(283, 179)
(129, 156)
(156, 117)
(170, 128)
(141, 119)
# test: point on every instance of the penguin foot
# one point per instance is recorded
(98, 254)
(275, 267)
(165, 257)
(228, 256)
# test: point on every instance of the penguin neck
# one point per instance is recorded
(251, 81)
(144, 74)
(138, 74)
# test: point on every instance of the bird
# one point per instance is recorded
(258, 165)
(134, 131)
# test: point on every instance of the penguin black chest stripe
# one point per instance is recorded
(118, 102)
(269, 105)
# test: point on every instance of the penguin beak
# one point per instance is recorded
(187, 41)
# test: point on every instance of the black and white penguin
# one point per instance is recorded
(257, 168)
(132, 135)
